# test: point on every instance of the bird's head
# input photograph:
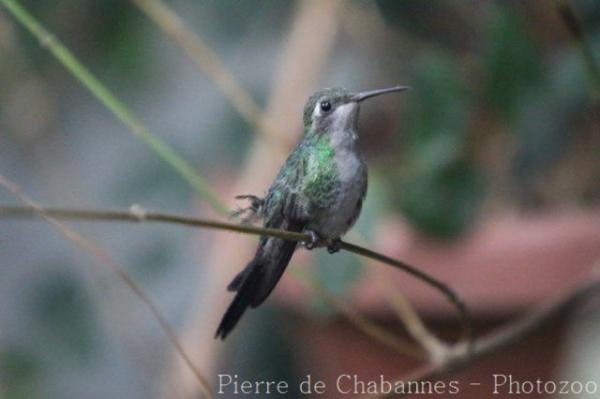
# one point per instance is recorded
(337, 108)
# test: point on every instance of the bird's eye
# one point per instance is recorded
(325, 106)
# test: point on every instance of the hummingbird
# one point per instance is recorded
(318, 191)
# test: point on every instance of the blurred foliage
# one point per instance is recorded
(107, 31)
(152, 260)
(119, 40)
(65, 317)
(513, 63)
(441, 189)
(64, 327)
(497, 68)
(19, 371)
(439, 23)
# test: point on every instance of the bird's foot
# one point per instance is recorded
(334, 245)
(251, 213)
(314, 241)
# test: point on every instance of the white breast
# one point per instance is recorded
(348, 165)
(335, 220)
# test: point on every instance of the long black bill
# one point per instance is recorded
(372, 93)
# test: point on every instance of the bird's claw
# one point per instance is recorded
(334, 245)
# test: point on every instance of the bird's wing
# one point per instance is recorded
(287, 199)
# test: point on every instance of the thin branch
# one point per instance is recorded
(104, 258)
(138, 214)
(421, 275)
(108, 99)
(505, 336)
(435, 348)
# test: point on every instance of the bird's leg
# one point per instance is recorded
(334, 245)
(251, 213)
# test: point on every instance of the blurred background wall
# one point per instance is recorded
(486, 174)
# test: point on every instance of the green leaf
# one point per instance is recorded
(443, 202)
(440, 190)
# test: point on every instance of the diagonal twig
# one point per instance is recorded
(421, 275)
(209, 62)
(573, 25)
(505, 336)
(104, 258)
(435, 348)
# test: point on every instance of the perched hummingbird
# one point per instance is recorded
(318, 191)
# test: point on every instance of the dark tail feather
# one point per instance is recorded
(256, 282)
(245, 293)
